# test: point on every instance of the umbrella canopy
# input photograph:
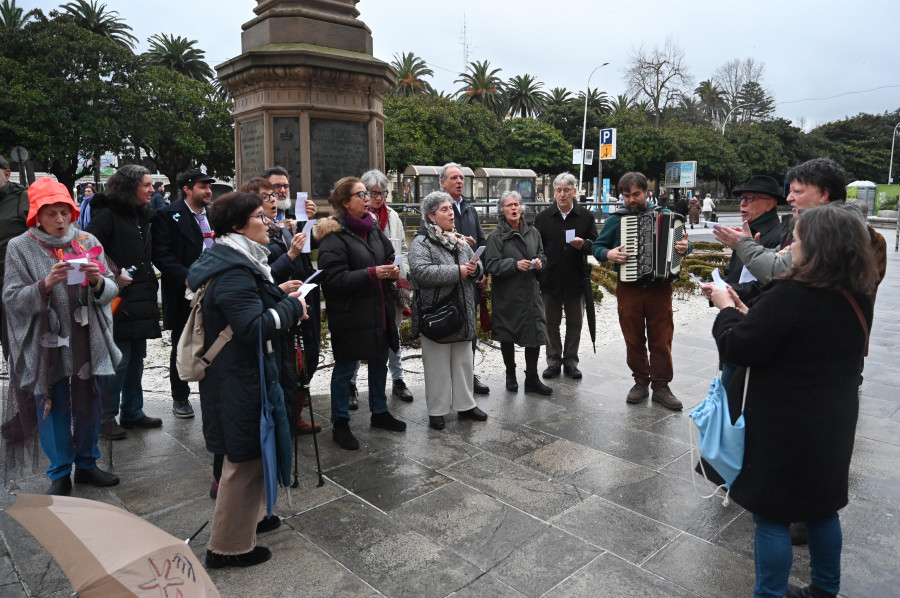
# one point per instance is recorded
(108, 552)
(274, 431)
(590, 312)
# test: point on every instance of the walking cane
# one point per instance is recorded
(304, 386)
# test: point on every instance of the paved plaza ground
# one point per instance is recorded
(577, 494)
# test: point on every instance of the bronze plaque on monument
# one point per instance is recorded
(338, 148)
(286, 137)
(253, 155)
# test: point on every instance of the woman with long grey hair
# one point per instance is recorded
(442, 263)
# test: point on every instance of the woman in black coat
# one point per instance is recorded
(241, 293)
(121, 222)
(803, 341)
(514, 258)
(356, 259)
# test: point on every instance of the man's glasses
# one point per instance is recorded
(382, 194)
(362, 195)
(752, 198)
(280, 186)
(268, 196)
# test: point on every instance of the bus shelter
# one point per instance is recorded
(419, 181)
(491, 183)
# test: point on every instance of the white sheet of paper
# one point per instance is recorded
(399, 259)
(570, 235)
(76, 276)
(717, 280)
(695, 279)
(478, 252)
(746, 276)
(311, 276)
(300, 207)
(306, 288)
(712, 224)
(307, 229)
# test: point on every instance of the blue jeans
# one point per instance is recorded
(774, 556)
(69, 436)
(340, 385)
(395, 365)
(124, 389)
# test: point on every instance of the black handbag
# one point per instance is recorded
(443, 318)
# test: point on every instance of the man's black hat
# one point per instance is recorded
(194, 175)
(761, 184)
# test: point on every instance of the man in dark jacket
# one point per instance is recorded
(181, 232)
(645, 308)
(121, 222)
(759, 199)
(13, 212)
(467, 224)
(158, 200)
(562, 281)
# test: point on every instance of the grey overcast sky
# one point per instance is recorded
(824, 60)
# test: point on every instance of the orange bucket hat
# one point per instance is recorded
(46, 192)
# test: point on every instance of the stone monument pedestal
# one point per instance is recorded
(307, 94)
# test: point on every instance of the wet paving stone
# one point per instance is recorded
(626, 534)
(504, 439)
(383, 552)
(703, 568)
(387, 479)
(559, 458)
(516, 485)
(606, 474)
(478, 528)
(610, 576)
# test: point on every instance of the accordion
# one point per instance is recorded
(649, 239)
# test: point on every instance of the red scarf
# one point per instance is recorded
(382, 215)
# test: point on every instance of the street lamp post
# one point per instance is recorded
(587, 92)
(730, 112)
(891, 180)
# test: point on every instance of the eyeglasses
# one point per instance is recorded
(511, 204)
(362, 195)
(382, 194)
(280, 186)
(752, 198)
(262, 217)
(268, 196)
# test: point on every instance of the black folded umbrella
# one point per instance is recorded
(589, 311)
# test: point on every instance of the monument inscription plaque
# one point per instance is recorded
(339, 148)
(286, 140)
(253, 155)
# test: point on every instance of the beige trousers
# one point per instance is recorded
(449, 376)
(238, 504)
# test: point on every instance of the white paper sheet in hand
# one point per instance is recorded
(311, 276)
(717, 280)
(76, 276)
(399, 259)
(306, 288)
(570, 235)
(307, 230)
(478, 252)
(712, 224)
(746, 276)
(300, 207)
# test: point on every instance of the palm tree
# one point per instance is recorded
(443, 95)
(411, 71)
(90, 16)
(482, 85)
(178, 54)
(11, 16)
(525, 96)
(620, 104)
(559, 96)
(713, 100)
(598, 101)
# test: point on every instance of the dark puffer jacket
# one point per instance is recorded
(123, 230)
(803, 347)
(517, 314)
(360, 311)
(230, 391)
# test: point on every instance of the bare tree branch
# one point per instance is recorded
(660, 75)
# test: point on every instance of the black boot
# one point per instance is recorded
(512, 385)
(533, 384)
(343, 436)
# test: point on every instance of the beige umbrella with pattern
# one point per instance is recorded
(108, 552)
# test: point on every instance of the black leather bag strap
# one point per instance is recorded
(862, 319)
